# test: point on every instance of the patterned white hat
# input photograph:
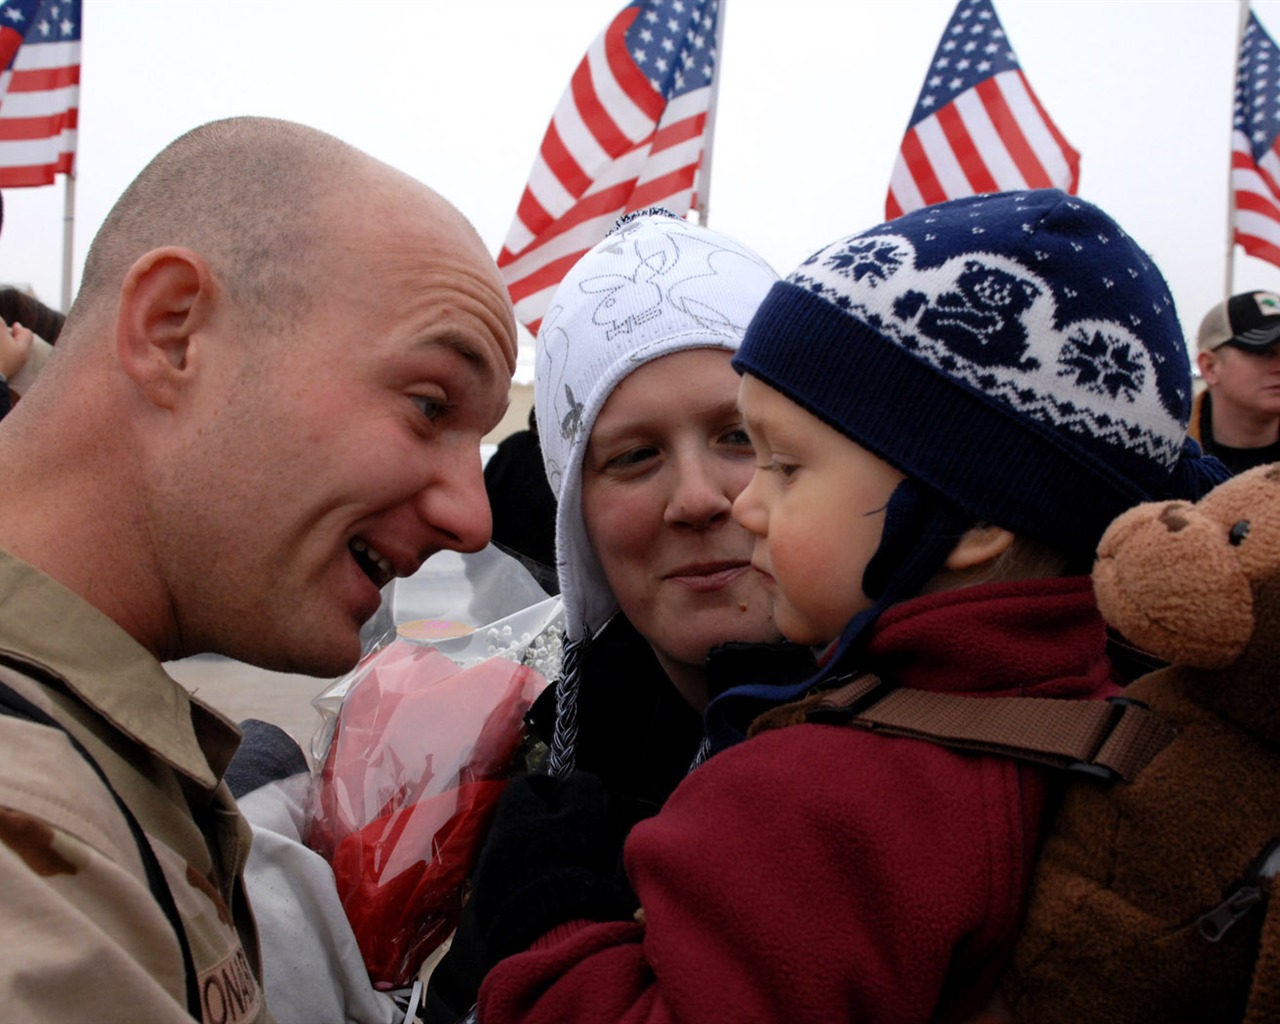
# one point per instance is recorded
(657, 284)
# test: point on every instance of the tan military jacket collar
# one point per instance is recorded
(63, 634)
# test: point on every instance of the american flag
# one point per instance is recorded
(39, 90)
(1255, 166)
(977, 126)
(628, 133)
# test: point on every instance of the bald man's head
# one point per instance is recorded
(248, 195)
(242, 488)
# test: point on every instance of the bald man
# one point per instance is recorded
(266, 403)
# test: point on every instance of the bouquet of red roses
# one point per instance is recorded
(419, 751)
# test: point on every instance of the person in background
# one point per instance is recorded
(18, 306)
(523, 505)
(1236, 418)
(15, 353)
(646, 451)
(224, 455)
(947, 410)
(28, 329)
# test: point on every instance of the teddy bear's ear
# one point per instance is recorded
(1168, 579)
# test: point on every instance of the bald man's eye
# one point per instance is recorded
(431, 408)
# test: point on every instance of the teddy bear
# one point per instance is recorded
(1151, 899)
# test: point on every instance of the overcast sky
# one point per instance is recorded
(814, 98)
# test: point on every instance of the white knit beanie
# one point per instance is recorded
(657, 284)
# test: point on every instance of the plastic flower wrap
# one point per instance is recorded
(423, 735)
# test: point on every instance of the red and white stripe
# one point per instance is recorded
(992, 138)
(39, 113)
(1257, 199)
(613, 146)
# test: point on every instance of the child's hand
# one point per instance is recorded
(15, 346)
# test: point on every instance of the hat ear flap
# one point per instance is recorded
(1169, 580)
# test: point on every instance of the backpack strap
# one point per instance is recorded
(1108, 739)
(15, 705)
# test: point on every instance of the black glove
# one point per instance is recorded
(547, 860)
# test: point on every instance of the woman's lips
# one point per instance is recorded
(713, 576)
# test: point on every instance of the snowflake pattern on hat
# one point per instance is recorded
(1053, 331)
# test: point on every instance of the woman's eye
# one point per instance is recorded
(737, 438)
(631, 459)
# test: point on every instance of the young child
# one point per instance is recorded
(947, 412)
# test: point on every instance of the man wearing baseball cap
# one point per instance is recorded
(1237, 416)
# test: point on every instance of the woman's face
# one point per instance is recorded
(666, 458)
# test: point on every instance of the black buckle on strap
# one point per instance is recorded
(1097, 771)
(836, 713)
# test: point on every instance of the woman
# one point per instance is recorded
(644, 447)
(642, 442)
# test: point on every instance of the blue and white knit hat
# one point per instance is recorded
(1017, 356)
(1016, 353)
(657, 284)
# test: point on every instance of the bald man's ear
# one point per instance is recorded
(164, 301)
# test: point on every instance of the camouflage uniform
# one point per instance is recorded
(83, 933)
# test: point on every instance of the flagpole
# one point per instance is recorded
(68, 230)
(1231, 191)
(704, 172)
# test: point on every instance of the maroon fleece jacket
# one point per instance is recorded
(819, 873)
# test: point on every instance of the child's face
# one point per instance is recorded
(816, 507)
